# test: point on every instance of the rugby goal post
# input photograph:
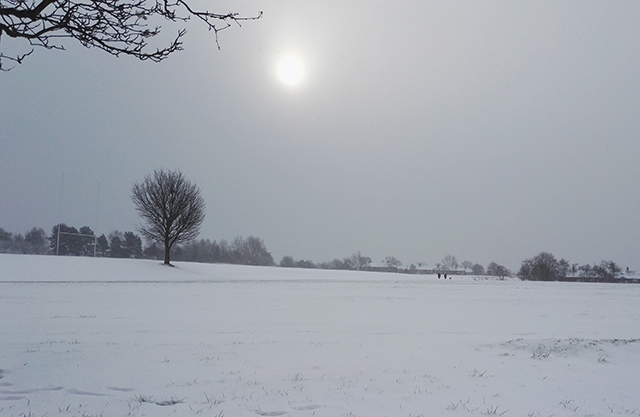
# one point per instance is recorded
(94, 236)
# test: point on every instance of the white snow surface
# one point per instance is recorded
(103, 337)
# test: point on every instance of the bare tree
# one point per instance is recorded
(115, 26)
(449, 262)
(171, 207)
(251, 251)
(392, 262)
(357, 261)
(498, 270)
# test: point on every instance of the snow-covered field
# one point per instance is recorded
(115, 338)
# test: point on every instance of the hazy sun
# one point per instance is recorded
(290, 71)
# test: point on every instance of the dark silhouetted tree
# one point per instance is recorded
(392, 262)
(17, 244)
(202, 250)
(543, 267)
(115, 246)
(6, 238)
(335, 264)
(357, 261)
(251, 251)
(152, 251)
(70, 243)
(103, 246)
(287, 262)
(498, 270)
(172, 208)
(87, 237)
(132, 245)
(117, 27)
(477, 269)
(606, 271)
(4, 235)
(304, 263)
(36, 241)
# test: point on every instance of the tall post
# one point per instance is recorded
(95, 241)
(58, 241)
(60, 216)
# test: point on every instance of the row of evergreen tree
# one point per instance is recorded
(70, 241)
(67, 240)
(32, 242)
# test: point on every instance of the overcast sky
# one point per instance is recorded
(486, 130)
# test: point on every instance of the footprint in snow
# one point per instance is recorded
(12, 398)
(78, 392)
(121, 389)
(270, 413)
(30, 391)
(306, 407)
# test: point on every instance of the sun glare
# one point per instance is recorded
(290, 71)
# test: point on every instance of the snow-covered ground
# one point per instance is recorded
(114, 338)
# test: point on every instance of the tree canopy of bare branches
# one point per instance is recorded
(119, 27)
(449, 262)
(172, 208)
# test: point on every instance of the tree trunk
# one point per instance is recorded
(167, 253)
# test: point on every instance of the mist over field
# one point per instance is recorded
(487, 130)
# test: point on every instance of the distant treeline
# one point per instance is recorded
(33, 242)
(545, 267)
(70, 241)
(67, 240)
